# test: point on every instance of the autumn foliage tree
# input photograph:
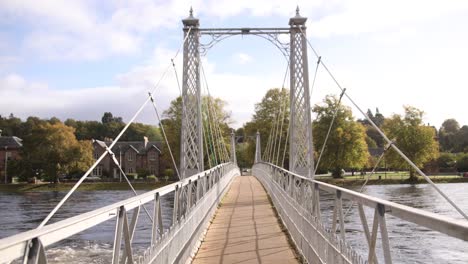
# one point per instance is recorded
(52, 150)
(416, 140)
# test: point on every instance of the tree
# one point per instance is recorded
(53, 150)
(447, 161)
(108, 117)
(413, 138)
(448, 135)
(267, 114)
(172, 121)
(346, 147)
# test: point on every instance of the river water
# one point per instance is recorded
(409, 243)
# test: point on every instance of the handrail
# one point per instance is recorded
(14, 246)
(456, 228)
(302, 194)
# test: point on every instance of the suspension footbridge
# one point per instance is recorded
(218, 216)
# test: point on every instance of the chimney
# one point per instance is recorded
(145, 139)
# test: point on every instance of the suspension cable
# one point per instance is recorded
(393, 146)
(210, 119)
(280, 115)
(215, 122)
(284, 102)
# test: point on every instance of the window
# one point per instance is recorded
(96, 155)
(97, 171)
(131, 156)
(152, 170)
(152, 155)
(130, 170)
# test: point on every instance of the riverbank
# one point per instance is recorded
(345, 182)
(85, 186)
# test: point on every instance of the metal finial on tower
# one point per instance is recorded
(297, 10)
(191, 12)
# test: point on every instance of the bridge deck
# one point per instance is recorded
(245, 229)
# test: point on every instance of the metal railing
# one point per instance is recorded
(297, 200)
(195, 200)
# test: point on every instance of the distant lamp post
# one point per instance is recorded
(6, 164)
(120, 161)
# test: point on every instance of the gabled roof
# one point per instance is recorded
(138, 146)
(11, 142)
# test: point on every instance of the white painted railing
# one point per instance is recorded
(195, 200)
(297, 201)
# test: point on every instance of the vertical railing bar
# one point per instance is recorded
(340, 213)
(198, 188)
(373, 241)
(384, 234)
(365, 226)
(175, 213)
(189, 195)
(136, 213)
(335, 215)
(128, 253)
(36, 253)
(118, 235)
(156, 234)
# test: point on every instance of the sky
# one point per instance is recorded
(81, 58)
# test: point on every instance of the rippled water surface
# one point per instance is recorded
(409, 243)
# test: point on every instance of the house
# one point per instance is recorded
(9, 150)
(134, 157)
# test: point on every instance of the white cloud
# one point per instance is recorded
(241, 58)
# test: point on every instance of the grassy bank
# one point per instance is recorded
(354, 181)
(86, 186)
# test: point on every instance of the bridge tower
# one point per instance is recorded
(258, 149)
(233, 147)
(191, 147)
(300, 142)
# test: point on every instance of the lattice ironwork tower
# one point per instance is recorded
(191, 147)
(300, 142)
(233, 147)
(258, 149)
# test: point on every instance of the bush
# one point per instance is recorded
(142, 173)
(447, 160)
(152, 178)
(462, 162)
(132, 176)
(169, 173)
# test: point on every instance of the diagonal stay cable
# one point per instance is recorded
(88, 172)
(164, 134)
(393, 146)
(78, 183)
(335, 113)
(369, 176)
(116, 162)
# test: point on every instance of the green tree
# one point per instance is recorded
(267, 113)
(413, 138)
(172, 120)
(448, 135)
(447, 161)
(53, 150)
(346, 147)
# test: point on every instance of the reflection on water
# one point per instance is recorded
(409, 242)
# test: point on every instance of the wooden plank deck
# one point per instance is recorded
(245, 229)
